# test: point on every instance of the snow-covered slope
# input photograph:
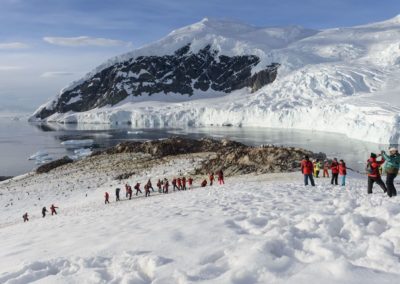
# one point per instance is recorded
(255, 229)
(332, 80)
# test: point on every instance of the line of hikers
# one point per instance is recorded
(388, 163)
(53, 208)
(163, 185)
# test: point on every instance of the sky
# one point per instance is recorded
(46, 44)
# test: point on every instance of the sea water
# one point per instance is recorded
(20, 140)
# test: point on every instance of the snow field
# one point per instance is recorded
(254, 229)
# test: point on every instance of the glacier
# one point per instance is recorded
(339, 80)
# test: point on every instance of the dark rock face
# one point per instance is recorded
(181, 73)
(3, 178)
(54, 164)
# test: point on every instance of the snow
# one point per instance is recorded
(255, 229)
(74, 99)
(341, 80)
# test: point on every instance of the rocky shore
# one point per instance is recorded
(233, 157)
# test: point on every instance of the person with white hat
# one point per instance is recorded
(391, 168)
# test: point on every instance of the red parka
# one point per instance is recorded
(335, 167)
(307, 167)
(375, 167)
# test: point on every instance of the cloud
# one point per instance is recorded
(13, 45)
(53, 74)
(85, 41)
(10, 68)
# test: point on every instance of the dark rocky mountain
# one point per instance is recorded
(180, 73)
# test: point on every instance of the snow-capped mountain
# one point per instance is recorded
(225, 73)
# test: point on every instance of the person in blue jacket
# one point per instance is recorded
(391, 169)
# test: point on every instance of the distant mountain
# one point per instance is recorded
(227, 73)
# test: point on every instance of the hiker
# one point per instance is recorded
(184, 183)
(25, 217)
(392, 166)
(317, 168)
(326, 168)
(335, 171)
(166, 185)
(159, 185)
(137, 187)
(147, 190)
(174, 184)
(149, 184)
(307, 170)
(204, 183)
(127, 190)
(117, 190)
(211, 177)
(53, 209)
(106, 198)
(130, 191)
(221, 177)
(373, 173)
(179, 183)
(44, 210)
(190, 182)
(342, 171)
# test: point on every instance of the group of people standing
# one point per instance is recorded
(388, 163)
(311, 169)
(163, 186)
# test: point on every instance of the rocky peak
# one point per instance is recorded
(184, 72)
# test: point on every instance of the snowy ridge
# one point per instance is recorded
(325, 81)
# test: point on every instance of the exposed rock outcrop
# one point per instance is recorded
(54, 164)
(233, 157)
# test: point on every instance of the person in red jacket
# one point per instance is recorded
(137, 187)
(106, 198)
(53, 209)
(307, 170)
(130, 192)
(221, 177)
(211, 177)
(374, 174)
(159, 186)
(342, 171)
(335, 171)
(147, 190)
(326, 168)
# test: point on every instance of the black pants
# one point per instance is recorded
(309, 177)
(378, 180)
(148, 192)
(334, 179)
(391, 190)
(117, 196)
